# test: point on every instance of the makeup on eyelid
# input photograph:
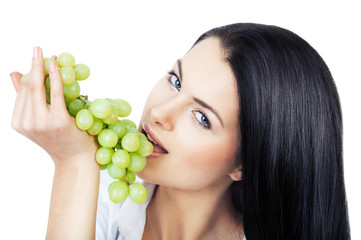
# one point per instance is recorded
(192, 116)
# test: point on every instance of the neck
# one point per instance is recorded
(192, 214)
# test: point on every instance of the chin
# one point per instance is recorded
(145, 177)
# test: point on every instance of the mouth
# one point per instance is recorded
(158, 147)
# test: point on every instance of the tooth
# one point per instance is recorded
(151, 139)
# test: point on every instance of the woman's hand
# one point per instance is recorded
(76, 179)
(49, 126)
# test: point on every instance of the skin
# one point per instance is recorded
(76, 176)
(195, 175)
(193, 197)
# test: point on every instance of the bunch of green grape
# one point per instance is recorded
(123, 149)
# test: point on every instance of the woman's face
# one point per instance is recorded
(192, 112)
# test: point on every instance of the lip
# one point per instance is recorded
(148, 130)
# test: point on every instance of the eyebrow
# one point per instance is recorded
(180, 69)
(197, 100)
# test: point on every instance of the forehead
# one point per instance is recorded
(207, 76)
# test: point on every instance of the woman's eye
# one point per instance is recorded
(174, 80)
(202, 119)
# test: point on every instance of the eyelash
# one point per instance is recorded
(172, 73)
(208, 126)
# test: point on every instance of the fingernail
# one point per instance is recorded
(51, 66)
(36, 52)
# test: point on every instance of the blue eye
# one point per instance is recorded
(174, 80)
(202, 120)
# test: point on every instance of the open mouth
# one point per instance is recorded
(158, 148)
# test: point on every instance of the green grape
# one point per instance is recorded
(118, 127)
(96, 127)
(131, 130)
(67, 75)
(46, 64)
(124, 178)
(47, 84)
(100, 108)
(48, 101)
(66, 59)
(122, 148)
(145, 148)
(142, 137)
(130, 142)
(23, 77)
(137, 193)
(87, 103)
(108, 138)
(115, 172)
(110, 186)
(81, 71)
(111, 118)
(121, 158)
(67, 102)
(104, 155)
(122, 107)
(130, 177)
(84, 119)
(103, 167)
(129, 123)
(137, 163)
(118, 191)
(47, 89)
(75, 106)
(72, 91)
(118, 146)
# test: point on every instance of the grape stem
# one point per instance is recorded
(84, 99)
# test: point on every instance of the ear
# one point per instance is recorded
(236, 174)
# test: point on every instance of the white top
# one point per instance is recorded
(123, 221)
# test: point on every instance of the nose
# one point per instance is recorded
(166, 113)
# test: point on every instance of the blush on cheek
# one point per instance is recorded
(205, 157)
(220, 152)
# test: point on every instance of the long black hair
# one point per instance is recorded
(290, 136)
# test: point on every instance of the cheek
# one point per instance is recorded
(206, 157)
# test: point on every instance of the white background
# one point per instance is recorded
(129, 45)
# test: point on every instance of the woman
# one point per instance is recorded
(248, 143)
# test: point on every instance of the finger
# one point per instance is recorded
(20, 108)
(37, 62)
(36, 81)
(56, 89)
(16, 79)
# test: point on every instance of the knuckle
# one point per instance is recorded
(34, 129)
(57, 124)
(33, 87)
(57, 94)
(27, 127)
(15, 124)
(37, 63)
(34, 84)
(39, 129)
(58, 129)
(25, 82)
